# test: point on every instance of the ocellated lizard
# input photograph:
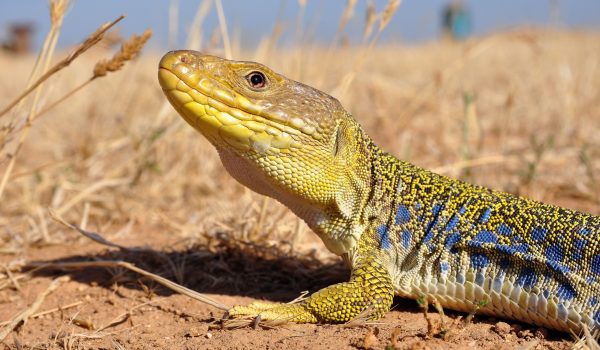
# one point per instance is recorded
(403, 229)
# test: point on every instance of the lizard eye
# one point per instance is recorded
(257, 80)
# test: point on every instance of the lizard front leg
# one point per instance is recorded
(369, 289)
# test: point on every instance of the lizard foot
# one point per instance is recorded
(274, 312)
(369, 293)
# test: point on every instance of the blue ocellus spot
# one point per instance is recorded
(444, 266)
(479, 260)
(557, 266)
(504, 229)
(485, 216)
(565, 292)
(451, 240)
(384, 238)
(452, 222)
(554, 253)
(538, 233)
(406, 237)
(597, 317)
(527, 278)
(436, 209)
(512, 249)
(580, 243)
(596, 264)
(485, 237)
(402, 215)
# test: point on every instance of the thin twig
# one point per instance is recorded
(99, 239)
(223, 28)
(25, 314)
(49, 311)
(127, 265)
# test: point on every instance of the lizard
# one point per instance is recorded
(403, 230)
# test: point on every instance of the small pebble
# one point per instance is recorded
(502, 328)
(525, 333)
(541, 333)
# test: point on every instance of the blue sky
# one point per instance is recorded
(415, 21)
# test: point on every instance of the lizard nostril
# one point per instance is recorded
(185, 59)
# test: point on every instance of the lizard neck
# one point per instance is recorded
(341, 224)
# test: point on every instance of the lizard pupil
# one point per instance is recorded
(257, 80)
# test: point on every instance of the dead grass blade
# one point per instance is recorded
(346, 16)
(223, 28)
(25, 314)
(126, 265)
(194, 39)
(99, 239)
(49, 311)
(88, 43)
(92, 40)
(341, 90)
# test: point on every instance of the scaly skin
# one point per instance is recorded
(404, 230)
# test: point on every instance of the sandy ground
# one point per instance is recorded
(117, 309)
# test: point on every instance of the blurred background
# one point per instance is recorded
(418, 21)
(499, 93)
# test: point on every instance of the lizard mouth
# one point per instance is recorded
(225, 117)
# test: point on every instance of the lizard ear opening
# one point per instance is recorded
(337, 142)
(344, 139)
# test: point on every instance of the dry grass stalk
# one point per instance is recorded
(92, 40)
(25, 314)
(129, 266)
(173, 22)
(223, 28)
(194, 40)
(57, 12)
(58, 8)
(586, 341)
(300, 20)
(346, 16)
(370, 17)
(388, 13)
(449, 70)
(386, 16)
(88, 43)
(49, 311)
(471, 163)
(123, 264)
(129, 50)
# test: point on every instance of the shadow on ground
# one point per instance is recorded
(222, 266)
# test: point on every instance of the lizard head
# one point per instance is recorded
(277, 136)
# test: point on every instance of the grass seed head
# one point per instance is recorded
(128, 51)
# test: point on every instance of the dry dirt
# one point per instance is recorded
(517, 111)
(143, 315)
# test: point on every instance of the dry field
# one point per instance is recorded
(517, 111)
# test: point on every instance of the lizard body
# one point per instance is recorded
(404, 230)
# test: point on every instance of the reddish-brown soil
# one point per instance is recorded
(144, 315)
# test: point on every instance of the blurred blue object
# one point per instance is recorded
(456, 20)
